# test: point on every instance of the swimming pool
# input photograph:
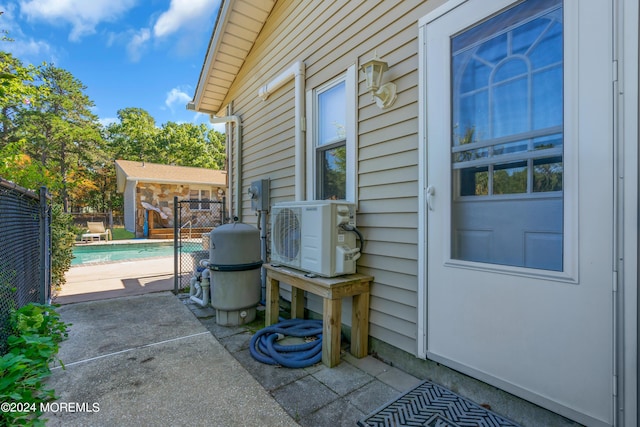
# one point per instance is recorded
(92, 254)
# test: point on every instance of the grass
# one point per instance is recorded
(119, 233)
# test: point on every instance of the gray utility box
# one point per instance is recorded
(259, 192)
(235, 263)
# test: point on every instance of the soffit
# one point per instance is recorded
(238, 25)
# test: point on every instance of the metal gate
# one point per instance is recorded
(194, 220)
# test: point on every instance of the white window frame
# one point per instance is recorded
(349, 77)
(200, 189)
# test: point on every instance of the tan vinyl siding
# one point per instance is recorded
(268, 150)
(329, 37)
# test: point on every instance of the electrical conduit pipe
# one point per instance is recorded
(237, 167)
(297, 72)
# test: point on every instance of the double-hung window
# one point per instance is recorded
(331, 140)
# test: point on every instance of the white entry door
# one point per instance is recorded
(520, 198)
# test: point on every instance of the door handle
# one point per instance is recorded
(431, 192)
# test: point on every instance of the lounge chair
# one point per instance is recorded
(96, 229)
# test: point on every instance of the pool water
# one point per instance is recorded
(121, 252)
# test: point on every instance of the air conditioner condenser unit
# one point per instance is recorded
(315, 236)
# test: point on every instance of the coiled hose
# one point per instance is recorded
(263, 346)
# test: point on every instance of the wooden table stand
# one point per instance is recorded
(332, 290)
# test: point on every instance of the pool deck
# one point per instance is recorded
(93, 282)
(101, 280)
(120, 242)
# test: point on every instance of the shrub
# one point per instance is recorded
(34, 344)
(63, 236)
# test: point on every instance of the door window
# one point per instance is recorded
(507, 138)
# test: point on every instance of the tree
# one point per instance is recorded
(188, 144)
(217, 143)
(17, 90)
(60, 130)
(134, 137)
(18, 167)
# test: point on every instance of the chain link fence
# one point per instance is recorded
(107, 218)
(195, 219)
(25, 252)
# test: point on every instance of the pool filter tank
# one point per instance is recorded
(235, 262)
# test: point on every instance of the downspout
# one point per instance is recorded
(237, 163)
(297, 72)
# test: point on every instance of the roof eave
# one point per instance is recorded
(237, 19)
(121, 178)
(175, 181)
(214, 45)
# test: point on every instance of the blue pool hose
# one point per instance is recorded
(264, 348)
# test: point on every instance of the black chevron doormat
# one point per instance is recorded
(432, 405)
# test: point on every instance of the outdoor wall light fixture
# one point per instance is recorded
(384, 95)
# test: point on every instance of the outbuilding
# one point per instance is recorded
(150, 187)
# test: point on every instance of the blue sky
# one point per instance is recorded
(128, 53)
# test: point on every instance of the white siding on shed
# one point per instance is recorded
(130, 202)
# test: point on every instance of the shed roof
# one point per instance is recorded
(238, 25)
(153, 172)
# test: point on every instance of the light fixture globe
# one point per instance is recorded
(373, 71)
(384, 95)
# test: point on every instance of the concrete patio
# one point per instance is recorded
(148, 357)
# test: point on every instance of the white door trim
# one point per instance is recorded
(627, 15)
(628, 192)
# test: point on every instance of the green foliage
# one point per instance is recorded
(34, 344)
(61, 131)
(63, 236)
(15, 166)
(17, 91)
(187, 144)
(136, 137)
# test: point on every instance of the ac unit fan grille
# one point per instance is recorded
(287, 235)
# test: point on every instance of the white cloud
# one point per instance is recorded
(24, 46)
(137, 44)
(183, 13)
(83, 15)
(33, 48)
(176, 97)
